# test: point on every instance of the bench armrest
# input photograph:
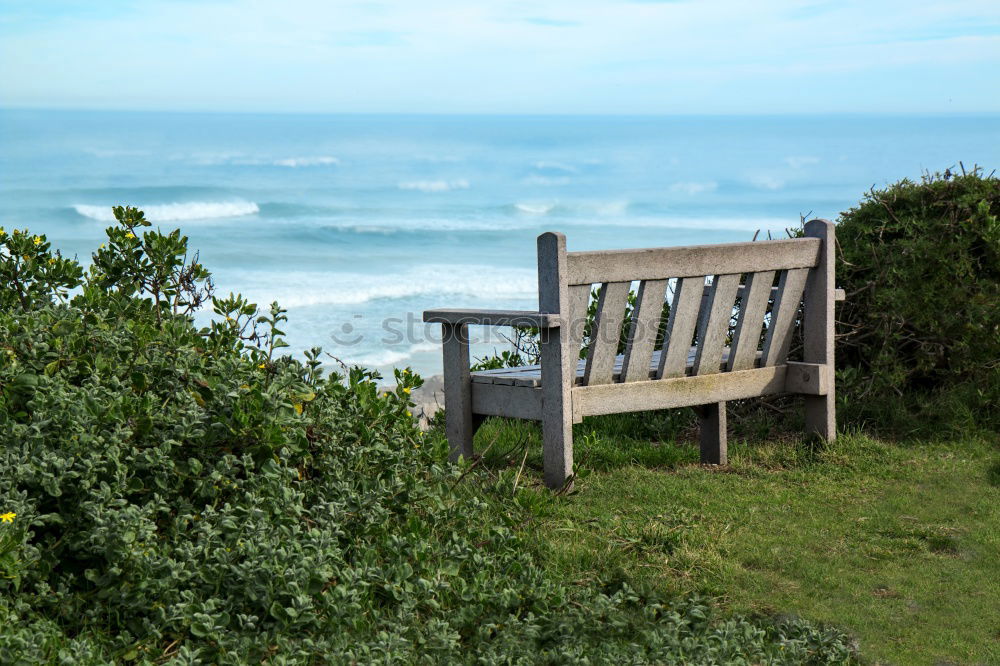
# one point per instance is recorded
(528, 318)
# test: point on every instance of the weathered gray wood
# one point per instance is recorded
(680, 326)
(558, 360)
(713, 435)
(818, 330)
(691, 261)
(530, 375)
(786, 306)
(525, 377)
(677, 392)
(751, 320)
(579, 300)
(515, 402)
(838, 294)
(555, 391)
(712, 335)
(528, 318)
(642, 332)
(807, 378)
(457, 390)
(606, 332)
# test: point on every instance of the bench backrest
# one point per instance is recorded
(741, 305)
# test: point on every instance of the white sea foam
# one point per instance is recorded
(242, 159)
(112, 153)
(377, 359)
(434, 185)
(693, 188)
(174, 212)
(555, 166)
(607, 208)
(389, 225)
(425, 347)
(547, 181)
(749, 224)
(322, 160)
(534, 208)
(313, 288)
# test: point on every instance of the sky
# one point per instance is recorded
(540, 56)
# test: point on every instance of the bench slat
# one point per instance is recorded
(712, 335)
(519, 402)
(579, 300)
(786, 306)
(642, 332)
(531, 375)
(692, 261)
(680, 326)
(606, 332)
(751, 320)
(677, 392)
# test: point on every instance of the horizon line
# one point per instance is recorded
(526, 114)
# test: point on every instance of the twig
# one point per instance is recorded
(521, 469)
(474, 464)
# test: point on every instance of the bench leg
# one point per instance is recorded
(459, 424)
(557, 449)
(557, 408)
(713, 434)
(821, 416)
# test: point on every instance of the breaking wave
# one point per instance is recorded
(293, 162)
(434, 185)
(174, 212)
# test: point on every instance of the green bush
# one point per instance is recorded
(921, 266)
(171, 493)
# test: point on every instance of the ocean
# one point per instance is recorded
(357, 223)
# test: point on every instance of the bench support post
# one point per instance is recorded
(818, 331)
(459, 424)
(558, 363)
(714, 444)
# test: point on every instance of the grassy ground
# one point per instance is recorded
(897, 543)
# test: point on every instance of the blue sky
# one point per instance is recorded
(542, 56)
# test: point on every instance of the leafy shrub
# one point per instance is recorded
(921, 266)
(180, 494)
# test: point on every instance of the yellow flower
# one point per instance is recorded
(262, 366)
(52, 261)
(298, 407)
(408, 413)
(8, 517)
(406, 390)
(102, 246)
(406, 371)
(130, 235)
(37, 240)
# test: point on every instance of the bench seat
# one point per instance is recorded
(531, 375)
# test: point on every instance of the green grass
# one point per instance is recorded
(896, 543)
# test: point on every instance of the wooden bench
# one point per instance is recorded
(705, 361)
